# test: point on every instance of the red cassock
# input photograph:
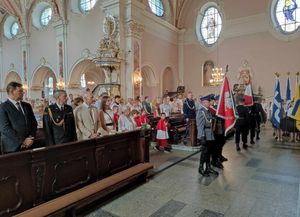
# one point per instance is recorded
(162, 135)
(137, 121)
(144, 119)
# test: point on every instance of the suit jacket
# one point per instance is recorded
(16, 126)
(60, 128)
(204, 120)
(87, 121)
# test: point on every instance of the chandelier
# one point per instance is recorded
(217, 76)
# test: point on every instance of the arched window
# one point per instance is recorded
(14, 29)
(157, 7)
(210, 22)
(82, 81)
(46, 16)
(286, 15)
(49, 87)
(86, 5)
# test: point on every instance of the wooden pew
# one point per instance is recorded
(61, 206)
(33, 177)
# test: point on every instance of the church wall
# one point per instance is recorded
(11, 54)
(42, 44)
(247, 35)
(84, 31)
(160, 54)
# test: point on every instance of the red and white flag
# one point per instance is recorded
(226, 107)
(248, 97)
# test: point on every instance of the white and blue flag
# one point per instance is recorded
(288, 94)
(277, 106)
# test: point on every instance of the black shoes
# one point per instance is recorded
(252, 142)
(245, 146)
(202, 171)
(217, 164)
(238, 147)
(258, 138)
(158, 148)
(223, 159)
(209, 170)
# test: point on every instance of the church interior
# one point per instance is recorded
(150, 49)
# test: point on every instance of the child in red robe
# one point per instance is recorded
(162, 135)
(116, 115)
(143, 118)
(136, 117)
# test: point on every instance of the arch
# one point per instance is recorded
(12, 76)
(169, 80)
(39, 76)
(92, 73)
(149, 82)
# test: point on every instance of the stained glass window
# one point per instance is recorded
(87, 5)
(157, 7)
(211, 25)
(46, 16)
(287, 15)
(82, 81)
(14, 29)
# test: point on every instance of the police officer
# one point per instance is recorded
(58, 120)
(261, 115)
(253, 122)
(204, 121)
(189, 111)
(241, 124)
(219, 134)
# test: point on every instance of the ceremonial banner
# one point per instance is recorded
(277, 109)
(248, 97)
(226, 108)
(288, 94)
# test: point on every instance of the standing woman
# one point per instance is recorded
(126, 121)
(106, 116)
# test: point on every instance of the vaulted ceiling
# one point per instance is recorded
(21, 9)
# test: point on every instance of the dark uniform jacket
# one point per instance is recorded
(253, 115)
(204, 121)
(16, 126)
(261, 115)
(243, 116)
(59, 125)
(189, 109)
(147, 107)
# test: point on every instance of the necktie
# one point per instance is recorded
(62, 108)
(19, 107)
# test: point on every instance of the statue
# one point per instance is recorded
(211, 27)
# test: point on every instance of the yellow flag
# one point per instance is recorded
(297, 89)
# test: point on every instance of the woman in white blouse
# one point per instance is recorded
(106, 116)
(126, 122)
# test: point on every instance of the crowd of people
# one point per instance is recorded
(83, 117)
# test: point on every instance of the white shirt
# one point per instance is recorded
(15, 104)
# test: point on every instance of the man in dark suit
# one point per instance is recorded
(59, 121)
(17, 122)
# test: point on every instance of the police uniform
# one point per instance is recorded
(189, 112)
(261, 116)
(205, 134)
(241, 126)
(59, 124)
(253, 122)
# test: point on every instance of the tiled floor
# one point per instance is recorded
(260, 182)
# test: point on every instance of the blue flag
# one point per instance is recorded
(288, 94)
(277, 108)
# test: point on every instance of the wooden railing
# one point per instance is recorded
(32, 177)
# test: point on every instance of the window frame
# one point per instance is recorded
(199, 20)
(85, 11)
(275, 21)
(49, 21)
(153, 4)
